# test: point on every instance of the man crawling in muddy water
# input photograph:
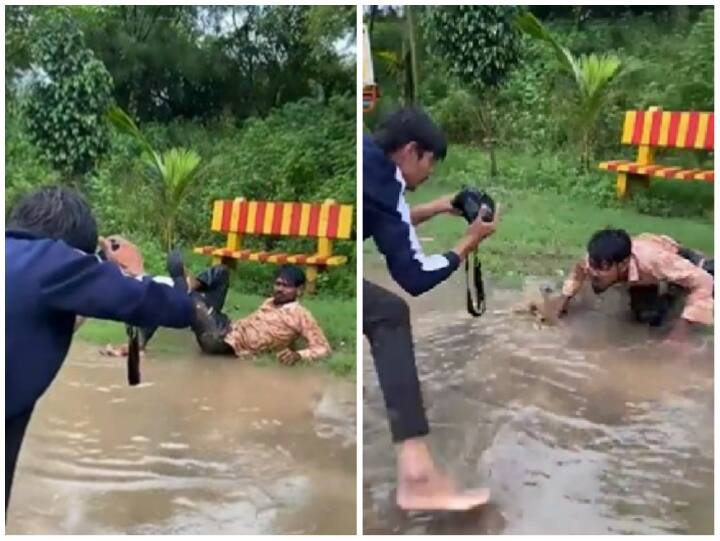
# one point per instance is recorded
(657, 271)
(274, 327)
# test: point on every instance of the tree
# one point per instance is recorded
(479, 45)
(592, 75)
(172, 173)
(70, 91)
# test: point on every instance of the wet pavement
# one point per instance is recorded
(204, 445)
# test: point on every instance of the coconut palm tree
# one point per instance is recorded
(171, 173)
(591, 73)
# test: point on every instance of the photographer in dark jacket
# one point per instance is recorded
(397, 158)
(51, 277)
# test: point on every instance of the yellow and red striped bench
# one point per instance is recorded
(653, 129)
(327, 221)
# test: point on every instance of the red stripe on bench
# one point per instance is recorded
(673, 131)
(295, 219)
(690, 173)
(655, 128)
(277, 218)
(244, 254)
(333, 221)
(260, 217)
(692, 129)
(262, 256)
(632, 168)
(226, 214)
(242, 217)
(670, 173)
(281, 258)
(638, 128)
(314, 219)
(651, 170)
(300, 258)
(709, 138)
(710, 175)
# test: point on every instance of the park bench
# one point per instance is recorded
(237, 218)
(656, 128)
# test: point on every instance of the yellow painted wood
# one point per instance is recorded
(703, 120)
(304, 219)
(252, 214)
(682, 129)
(345, 224)
(268, 219)
(628, 128)
(287, 216)
(217, 216)
(621, 186)
(664, 129)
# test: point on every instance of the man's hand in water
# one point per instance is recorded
(288, 357)
(564, 305)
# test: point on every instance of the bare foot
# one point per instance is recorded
(422, 487)
(437, 492)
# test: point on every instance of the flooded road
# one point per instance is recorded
(205, 445)
(584, 427)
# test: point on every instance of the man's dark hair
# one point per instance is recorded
(407, 125)
(608, 246)
(59, 213)
(292, 273)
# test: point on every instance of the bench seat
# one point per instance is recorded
(658, 171)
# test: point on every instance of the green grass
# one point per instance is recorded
(335, 316)
(542, 231)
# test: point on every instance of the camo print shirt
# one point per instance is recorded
(272, 328)
(654, 259)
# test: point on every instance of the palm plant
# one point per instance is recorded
(592, 75)
(170, 173)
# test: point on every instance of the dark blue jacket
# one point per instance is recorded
(48, 283)
(386, 218)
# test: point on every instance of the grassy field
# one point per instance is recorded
(335, 316)
(542, 231)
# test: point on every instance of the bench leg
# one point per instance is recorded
(622, 188)
(311, 275)
(626, 182)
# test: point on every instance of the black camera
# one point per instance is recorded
(470, 202)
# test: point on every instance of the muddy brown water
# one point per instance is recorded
(584, 427)
(204, 445)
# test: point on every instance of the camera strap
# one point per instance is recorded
(133, 358)
(474, 285)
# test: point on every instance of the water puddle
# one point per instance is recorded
(584, 427)
(205, 445)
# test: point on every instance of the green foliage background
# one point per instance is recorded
(262, 93)
(667, 56)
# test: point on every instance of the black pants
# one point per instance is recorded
(14, 433)
(386, 324)
(651, 307)
(211, 324)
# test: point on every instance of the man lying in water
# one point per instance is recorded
(274, 327)
(647, 263)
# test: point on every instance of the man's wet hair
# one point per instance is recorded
(608, 247)
(407, 125)
(57, 212)
(293, 274)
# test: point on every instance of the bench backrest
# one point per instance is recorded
(673, 129)
(327, 220)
